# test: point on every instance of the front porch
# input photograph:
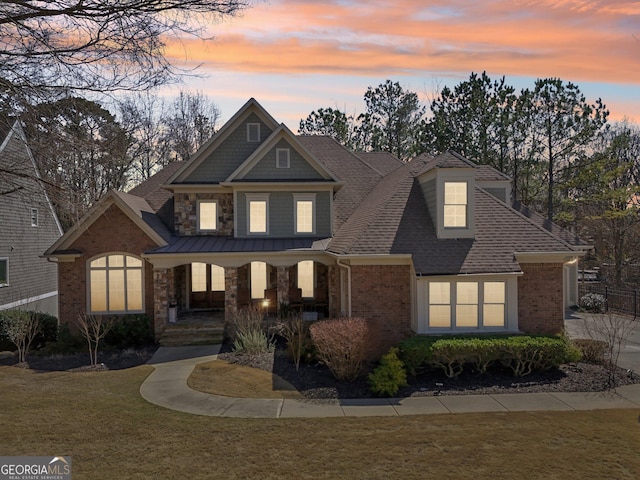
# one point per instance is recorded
(201, 296)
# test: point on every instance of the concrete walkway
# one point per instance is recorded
(167, 387)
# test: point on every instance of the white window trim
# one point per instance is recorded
(257, 197)
(466, 206)
(88, 285)
(305, 197)
(249, 139)
(34, 213)
(5, 284)
(510, 305)
(215, 229)
(287, 157)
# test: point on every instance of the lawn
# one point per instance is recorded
(111, 432)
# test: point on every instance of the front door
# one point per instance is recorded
(207, 286)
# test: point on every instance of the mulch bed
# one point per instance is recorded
(315, 381)
(79, 362)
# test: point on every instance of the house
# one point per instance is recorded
(260, 215)
(28, 225)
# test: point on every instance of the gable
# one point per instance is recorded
(298, 168)
(230, 154)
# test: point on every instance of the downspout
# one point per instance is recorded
(348, 268)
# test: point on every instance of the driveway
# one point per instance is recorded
(630, 353)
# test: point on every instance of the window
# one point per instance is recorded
(115, 284)
(253, 132)
(207, 215)
(34, 217)
(258, 279)
(456, 305)
(258, 213)
(282, 158)
(4, 272)
(455, 204)
(206, 277)
(304, 212)
(306, 280)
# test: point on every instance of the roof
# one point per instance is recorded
(394, 220)
(486, 173)
(381, 162)
(228, 244)
(152, 189)
(548, 225)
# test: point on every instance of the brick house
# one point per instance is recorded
(28, 225)
(260, 215)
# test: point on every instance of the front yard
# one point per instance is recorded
(111, 432)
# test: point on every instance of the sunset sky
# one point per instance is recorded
(295, 56)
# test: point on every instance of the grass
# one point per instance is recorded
(111, 432)
(223, 378)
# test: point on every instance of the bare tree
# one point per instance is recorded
(20, 327)
(97, 45)
(93, 328)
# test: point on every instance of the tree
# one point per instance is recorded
(93, 329)
(97, 45)
(21, 328)
(565, 124)
(330, 122)
(79, 147)
(391, 120)
(190, 123)
(605, 195)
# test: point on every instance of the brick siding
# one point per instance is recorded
(113, 231)
(382, 294)
(540, 299)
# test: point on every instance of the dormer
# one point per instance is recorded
(448, 186)
(494, 183)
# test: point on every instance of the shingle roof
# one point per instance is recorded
(358, 176)
(141, 208)
(485, 173)
(151, 189)
(382, 162)
(394, 219)
(548, 225)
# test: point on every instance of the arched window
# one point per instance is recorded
(115, 284)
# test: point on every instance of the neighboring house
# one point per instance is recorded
(432, 246)
(28, 225)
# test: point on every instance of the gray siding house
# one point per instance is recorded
(28, 225)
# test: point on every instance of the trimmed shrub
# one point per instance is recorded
(525, 354)
(593, 302)
(593, 351)
(415, 353)
(450, 354)
(130, 331)
(389, 376)
(342, 345)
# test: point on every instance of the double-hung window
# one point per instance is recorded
(257, 213)
(455, 204)
(304, 213)
(115, 284)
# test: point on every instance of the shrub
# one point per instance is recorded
(66, 342)
(389, 376)
(415, 353)
(450, 354)
(130, 331)
(48, 330)
(593, 302)
(20, 328)
(593, 351)
(248, 333)
(295, 331)
(525, 354)
(342, 345)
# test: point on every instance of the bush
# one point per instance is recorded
(248, 333)
(389, 376)
(342, 345)
(593, 351)
(20, 327)
(130, 331)
(593, 302)
(295, 331)
(526, 354)
(415, 353)
(65, 343)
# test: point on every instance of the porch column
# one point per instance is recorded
(163, 290)
(230, 293)
(333, 272)
(282, 285)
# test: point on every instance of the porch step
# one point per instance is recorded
(191, 334)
